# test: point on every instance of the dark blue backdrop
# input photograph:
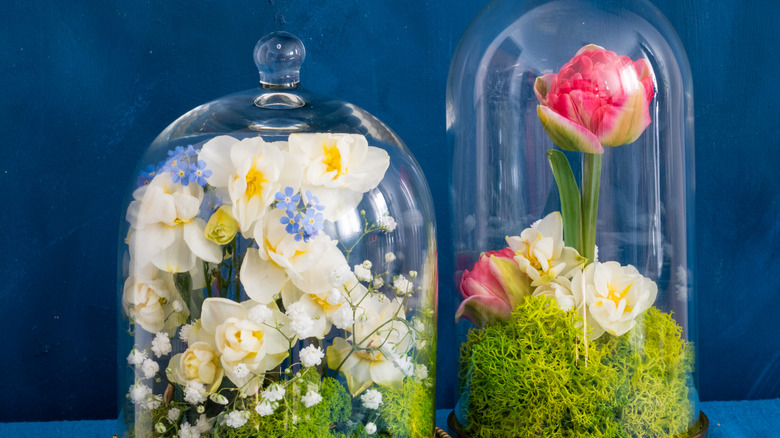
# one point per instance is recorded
(86, 85)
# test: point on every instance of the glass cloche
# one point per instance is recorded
(571, 132)
(278, 271)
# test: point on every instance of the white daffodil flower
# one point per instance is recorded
(165, 229)
(250, 172)
(199, 363)
(615, 296)
(239, 340)
(148, 299)
(541, 254)
(338, 168)
(380, 337)
(280, 257)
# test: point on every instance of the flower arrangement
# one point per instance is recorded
(565, 344)
(248, 318)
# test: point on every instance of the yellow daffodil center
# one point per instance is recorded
(615, 296)
(332, 160)
(529, 255)
(244, 340)
(326, 306)
(372, 352)
(199, 365)
(255, 182)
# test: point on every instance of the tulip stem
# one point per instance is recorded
(591, 180)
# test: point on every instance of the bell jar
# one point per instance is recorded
(277, 271)
(571, 131)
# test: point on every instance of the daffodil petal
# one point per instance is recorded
(198, 244)
(262, 279)
(385, 373)
(216, 310)
(177, 257)
(216, 154)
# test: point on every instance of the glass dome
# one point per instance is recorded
(571, 132)
(277, 271)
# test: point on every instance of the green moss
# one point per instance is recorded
(526, 377)
(320, 420)
(409, 411)
(406, 412)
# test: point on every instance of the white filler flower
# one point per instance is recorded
(236, 419)
(161, 344)
(311, 356)
(371, 399)
(273, 393)
(311, 398)
(264, 408)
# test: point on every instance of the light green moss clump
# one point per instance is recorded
(409, 411)
(527, 377)
(319, 420)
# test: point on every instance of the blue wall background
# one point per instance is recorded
(86, 85)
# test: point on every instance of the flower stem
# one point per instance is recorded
(591, 179)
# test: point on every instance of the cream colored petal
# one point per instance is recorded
(385, 373)
(216, 154)
(150, 317)
(305, 144)
(237, 187)
(177, 257)
(290, 294)
(370, 171)
(249, 384)
(514, 242)
(292, 171)
(148, 242)
(199, 334)
(216, 310)
(245, 151)
(173, 370)
(157, 205)
(572, 261)
(187, 201)
(262, 279)
(317, 262)
(336, 201)
(543, 252)
(551, 226)
(198, 244)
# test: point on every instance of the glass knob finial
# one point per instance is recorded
(279, 56)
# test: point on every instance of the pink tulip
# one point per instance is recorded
(492, 288)
(597, 99)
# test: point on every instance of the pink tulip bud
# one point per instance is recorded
(597, 99)
(492, 288)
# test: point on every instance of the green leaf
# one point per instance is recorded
(569, 194)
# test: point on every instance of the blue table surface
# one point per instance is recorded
(731, 419)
